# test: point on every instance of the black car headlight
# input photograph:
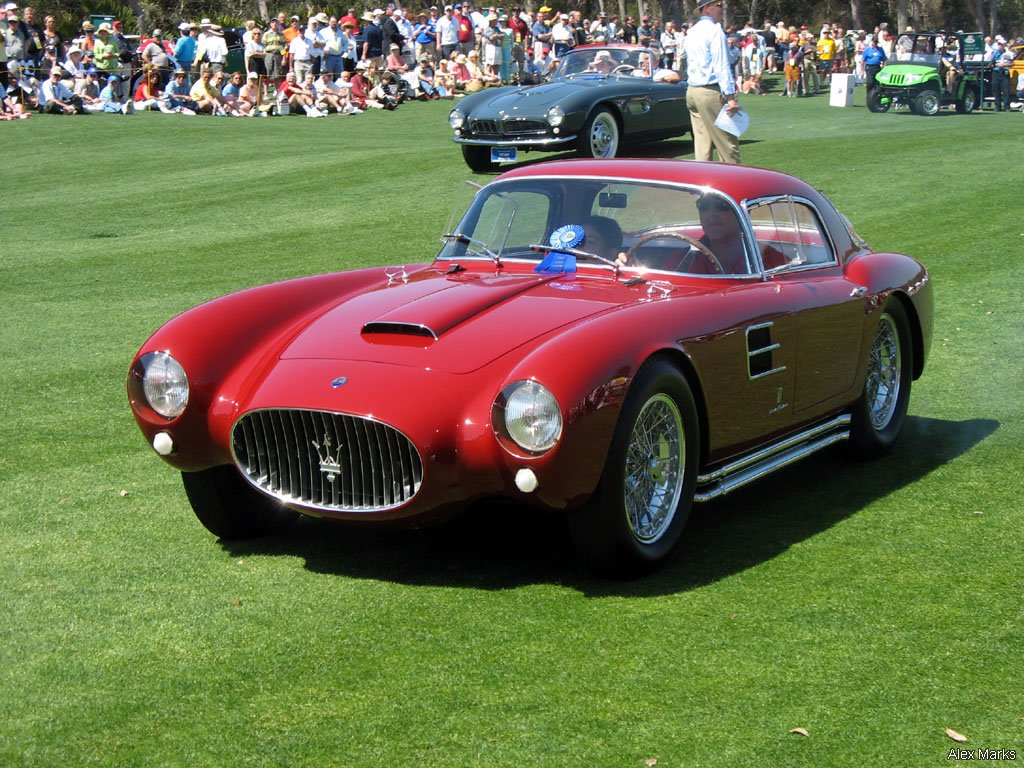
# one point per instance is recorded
(164, 384)
(529, 415)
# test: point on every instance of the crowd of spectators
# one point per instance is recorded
(379, 58)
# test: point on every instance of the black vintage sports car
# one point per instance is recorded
(599, 98)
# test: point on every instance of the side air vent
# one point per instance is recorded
(759, 351)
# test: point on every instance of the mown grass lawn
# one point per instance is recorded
(873, 605)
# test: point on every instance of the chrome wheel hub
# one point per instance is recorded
(604, 137)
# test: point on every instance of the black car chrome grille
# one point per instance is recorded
(485, 126)
(327, 460)
(520, 127)
(510, 127)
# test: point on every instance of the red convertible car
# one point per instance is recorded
(609, 339)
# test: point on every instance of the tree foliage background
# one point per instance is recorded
(989, 16)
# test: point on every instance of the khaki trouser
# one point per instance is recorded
(704, 104)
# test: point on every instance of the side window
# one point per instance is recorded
(789, 234)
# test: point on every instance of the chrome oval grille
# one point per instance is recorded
(326, 460)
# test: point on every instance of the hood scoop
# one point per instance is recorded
(432, 315)
(400, 329)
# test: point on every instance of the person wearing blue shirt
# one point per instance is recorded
(1001, 61)
(185, 47)
(874, 59)
(711, 85)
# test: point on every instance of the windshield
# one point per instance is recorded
(599, 62)
(636, 225)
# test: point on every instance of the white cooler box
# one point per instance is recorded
(842, 90)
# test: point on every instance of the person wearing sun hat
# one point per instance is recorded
(213, 48)
(105, 51)
(711, 84)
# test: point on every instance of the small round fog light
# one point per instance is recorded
(526, 480)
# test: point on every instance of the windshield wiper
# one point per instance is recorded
(578, 254)
(483, 252)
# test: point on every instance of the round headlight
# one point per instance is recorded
(164, 384)
(456, 119)
(555, 116)
(532, 417)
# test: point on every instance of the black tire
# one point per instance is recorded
(478, 158)
(600, 136)
(927, 103)
(968, 103)
(875, 103)
(881, 410)
(644, 496)
(231, 508)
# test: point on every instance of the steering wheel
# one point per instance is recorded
(655, 234)
(627, 68)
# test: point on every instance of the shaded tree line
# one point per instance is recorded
(989, 16)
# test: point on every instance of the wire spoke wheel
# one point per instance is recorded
(884, 368)
(655, 458)
(881, 410)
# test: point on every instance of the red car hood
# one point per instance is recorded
(453, 323)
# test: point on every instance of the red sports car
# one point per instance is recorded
(609, 339)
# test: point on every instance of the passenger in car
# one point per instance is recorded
(603, 237)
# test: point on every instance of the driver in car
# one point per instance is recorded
(722, 235)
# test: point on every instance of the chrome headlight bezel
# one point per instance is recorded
(456, 119)
(555, 116)
(163, 384)
(526, 416)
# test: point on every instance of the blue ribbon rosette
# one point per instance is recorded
(567, 236)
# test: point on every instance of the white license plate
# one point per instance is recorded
(503, 154)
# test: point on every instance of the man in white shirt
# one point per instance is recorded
(54, 96)
(213, 48)
(315, 41)
(711, 85)
(562, 36)
(447, 33)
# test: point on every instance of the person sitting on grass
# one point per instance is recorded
(10, 108)
(231, 95)
(250, 94)
(149, 92)
(110, 96)
(55, 98)
(176, 94)
(298, 97)
(204, 94)
(331, 96)
(88, 90)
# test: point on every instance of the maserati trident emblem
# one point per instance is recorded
(329, 465)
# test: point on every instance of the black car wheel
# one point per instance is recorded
(600, 136)
(927, 103)
(968, 103)
(644, 496)
(478, 158)
(882, 408)
(231, 508)
(876, 103)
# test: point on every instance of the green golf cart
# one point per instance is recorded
(925, 76)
